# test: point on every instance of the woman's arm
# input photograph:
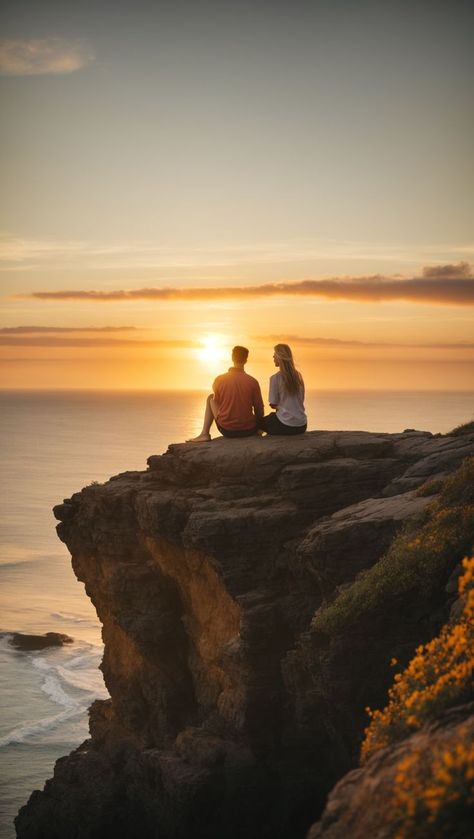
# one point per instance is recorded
(274, 392)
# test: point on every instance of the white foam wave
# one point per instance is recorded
(80, 681)
(92, 657)
(72, 684)
(29, 729)
(59, 677)
(53, 689)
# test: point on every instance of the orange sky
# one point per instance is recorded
(221, 173)
(184, 344)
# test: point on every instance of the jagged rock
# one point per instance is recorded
(355, 537)
(202, 570)
(439, 457)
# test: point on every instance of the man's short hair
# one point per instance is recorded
(240, 355)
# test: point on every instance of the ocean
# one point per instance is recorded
(53, 444)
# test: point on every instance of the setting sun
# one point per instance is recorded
(212, 350)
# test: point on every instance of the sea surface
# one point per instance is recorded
(53, 444)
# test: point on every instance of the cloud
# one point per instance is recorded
(303, 340)
(51, 341)
(456, 291)
(39, 57)
(33, 330)
(447, 272)
(41, 339)
(317, 341)
(208, 261)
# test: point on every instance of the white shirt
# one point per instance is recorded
(290, 410)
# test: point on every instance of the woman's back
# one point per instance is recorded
(290, 406)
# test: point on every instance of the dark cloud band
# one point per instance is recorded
(52, 341)
(53, 330)
(453, 291)
(335, 343)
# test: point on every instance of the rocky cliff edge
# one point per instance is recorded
(231, 713)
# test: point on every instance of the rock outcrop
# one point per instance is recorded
(39, 642)
(230, 715)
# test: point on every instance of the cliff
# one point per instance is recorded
(233, 711)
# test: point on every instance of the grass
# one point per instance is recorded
(430, 488)
(418, 560)
(465, 428)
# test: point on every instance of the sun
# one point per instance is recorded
(212, 350)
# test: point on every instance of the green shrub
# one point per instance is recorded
(419, 558)
(465, 428)
(430, 488)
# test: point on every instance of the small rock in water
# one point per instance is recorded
(39, 642)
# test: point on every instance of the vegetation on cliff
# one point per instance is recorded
(439, 676)
(419, 558)
(433, 792)
(465, 428)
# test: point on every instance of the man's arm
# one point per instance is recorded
(258, 401)
(215, 388)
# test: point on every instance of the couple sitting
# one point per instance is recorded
(236, 404)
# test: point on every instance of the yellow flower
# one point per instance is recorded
(439, 675)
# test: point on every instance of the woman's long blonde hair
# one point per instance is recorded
(292, 378)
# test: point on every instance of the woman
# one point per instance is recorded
(286, 396)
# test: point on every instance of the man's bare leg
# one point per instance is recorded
(210, 414)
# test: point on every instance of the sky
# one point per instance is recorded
(179, 177)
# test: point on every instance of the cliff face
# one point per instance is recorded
(230, 713)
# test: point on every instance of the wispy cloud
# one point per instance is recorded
(47, 338)
(451, 285)
(42, 56)
(307, 341)
(23, 254)
(34, 330)
(52, 341)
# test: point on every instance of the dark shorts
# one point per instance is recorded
(272, 425)
(227, 432)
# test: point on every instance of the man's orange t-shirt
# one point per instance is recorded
(239, 400)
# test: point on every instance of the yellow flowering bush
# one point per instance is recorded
(433, 793)
(439, 676)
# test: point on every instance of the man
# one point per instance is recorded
(236, 404)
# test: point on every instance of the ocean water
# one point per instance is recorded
(54, 443)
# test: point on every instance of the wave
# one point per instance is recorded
(53, 689)
(58, 677)
(51, 686)
(29, 729)
(79, 681)
(93, 657)
(7, 564)
(73, 618)
(14, 553)
(70, 679)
